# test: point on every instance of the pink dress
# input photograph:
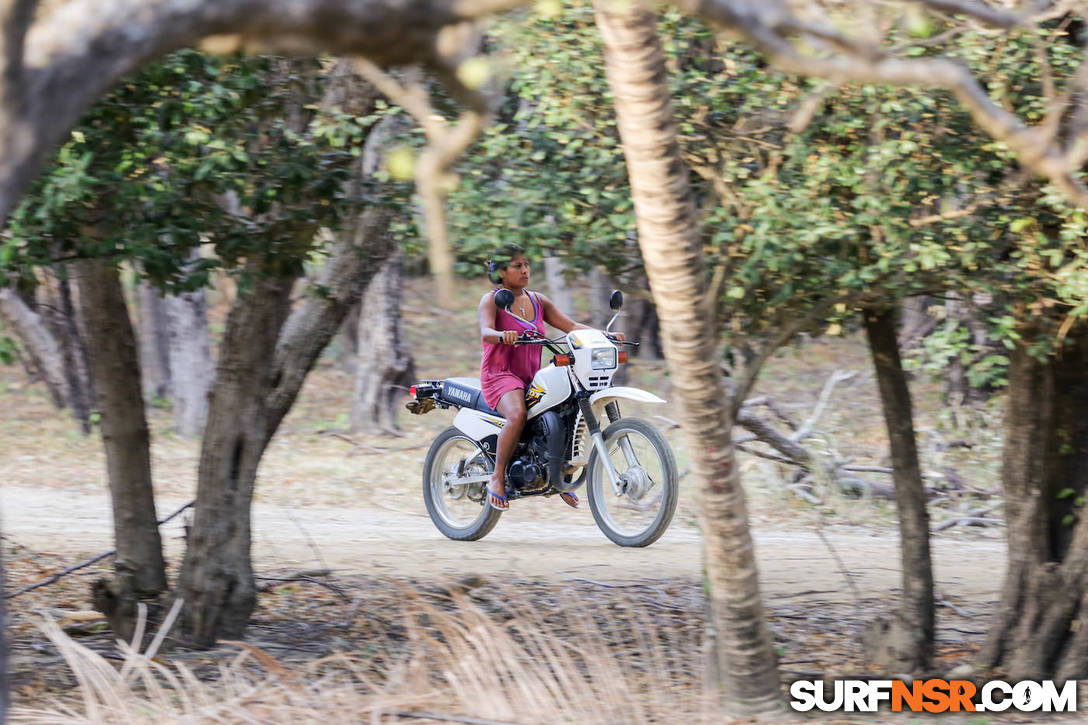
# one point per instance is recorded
(510, 367)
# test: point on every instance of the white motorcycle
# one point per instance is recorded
(629, 468)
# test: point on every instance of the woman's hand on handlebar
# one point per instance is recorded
(509, 337)
(530, 337)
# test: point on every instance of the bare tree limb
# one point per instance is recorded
(978, 11)
(821, 404)
(445, 143)
(769, 403)
(751, 371)
(766, 28)
(77, 49)
(83, 564)
(767, 456)
(808, 107)
(75, 52)
(15, 16)
(971, 517)
(946, 216)
(765, 432)
(967, 521)
(884, 469)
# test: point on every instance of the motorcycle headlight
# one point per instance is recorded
(603, 358)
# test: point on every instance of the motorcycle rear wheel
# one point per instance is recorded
(459, 511)
(643, 511)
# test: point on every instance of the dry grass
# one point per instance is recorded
(494, 655)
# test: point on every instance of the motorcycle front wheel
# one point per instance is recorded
(640, 512)
(458, 509)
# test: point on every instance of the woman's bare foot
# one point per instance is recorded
(497, 500)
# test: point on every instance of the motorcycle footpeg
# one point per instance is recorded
(419, 407)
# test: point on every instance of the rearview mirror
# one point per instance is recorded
(616, 300)
(503, 299)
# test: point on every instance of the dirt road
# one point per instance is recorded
(405, 543)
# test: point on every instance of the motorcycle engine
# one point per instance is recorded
(525, 473)
(538, 459)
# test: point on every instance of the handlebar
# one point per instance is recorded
(534, 338)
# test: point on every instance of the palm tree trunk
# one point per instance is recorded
(742, 659)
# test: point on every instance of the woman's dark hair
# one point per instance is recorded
(501, 259)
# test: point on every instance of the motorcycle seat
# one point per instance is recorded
(466, 393)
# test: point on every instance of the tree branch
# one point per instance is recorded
(978, 11)
(821, 405)
(15, 15)
(751, 371)
(78, 51)
(765, 433)
(445, 143)
(766, 26)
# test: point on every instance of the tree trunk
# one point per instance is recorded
(216, 579)
(956, 387)
(62, 322)
(916, 321)
(154, 343)
(642, 325)
(139, 569)
(742, 659)
(600, 288)
(348, 272)
(190, 360)
(558, 289)
(346, 356)
(912, 629)
(38, 342)
(4, 689)
(384, 368)
(1040, 630)
(263, 361)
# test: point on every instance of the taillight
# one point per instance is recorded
(562, 360)
(622, 357)
(412, 391)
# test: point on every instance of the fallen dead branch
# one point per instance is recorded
(449, 718)
(975, 517)
(83, 564)
(367, 449)
(789, 449)
(303, 578)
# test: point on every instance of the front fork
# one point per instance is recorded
(612, 410)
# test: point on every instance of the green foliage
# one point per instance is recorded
(881, 194)
(151, 173)
(552, 165)
(9, 350)
(984, 368)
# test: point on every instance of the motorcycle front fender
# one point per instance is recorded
(603, 397)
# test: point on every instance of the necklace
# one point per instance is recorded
(521, 309)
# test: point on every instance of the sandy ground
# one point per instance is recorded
(403, 542)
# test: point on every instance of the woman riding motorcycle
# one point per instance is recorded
(506, 369)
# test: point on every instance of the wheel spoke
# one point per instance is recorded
(454, 503)
(645, 507)
(628, 452)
